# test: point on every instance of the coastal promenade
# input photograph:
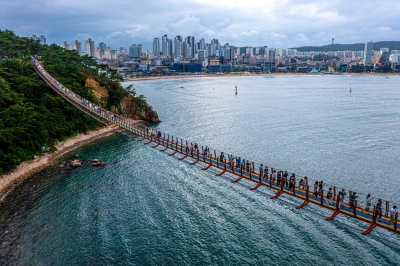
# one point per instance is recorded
(212, 158)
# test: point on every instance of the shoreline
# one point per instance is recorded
(26, 169)
(257, 75)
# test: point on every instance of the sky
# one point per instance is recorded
(272, 23)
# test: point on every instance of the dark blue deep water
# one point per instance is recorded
(147, 208)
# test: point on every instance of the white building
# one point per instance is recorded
(368, 52)
(178, 43)
(90, 48)
(156, 46)
(165, 45)
(65, 45)
(75, 45)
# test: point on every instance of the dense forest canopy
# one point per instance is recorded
(32, 115)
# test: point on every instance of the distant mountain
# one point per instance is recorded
(392, 45)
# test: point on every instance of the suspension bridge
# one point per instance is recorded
(378, 216)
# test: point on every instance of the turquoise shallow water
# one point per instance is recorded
(147, 208)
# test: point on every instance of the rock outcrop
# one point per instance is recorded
(131, 106)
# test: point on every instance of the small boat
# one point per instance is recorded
(182, 87)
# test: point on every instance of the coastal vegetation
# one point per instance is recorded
(33, 118)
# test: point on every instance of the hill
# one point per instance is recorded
(33, 116)
(392, 45)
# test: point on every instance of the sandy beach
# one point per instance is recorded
(255, 75)
(12, 178)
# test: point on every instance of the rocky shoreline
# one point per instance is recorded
(11, 179)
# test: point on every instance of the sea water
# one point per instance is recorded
(147, 208)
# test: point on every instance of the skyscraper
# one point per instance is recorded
(135, 50)
(368, 52)
(41, 39)
(102, 46)
(65, 45)
(178, 45)
(165, 43)
(90, 50)
(75, 45)
(156, 46)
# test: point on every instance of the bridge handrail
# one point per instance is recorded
(109, 117)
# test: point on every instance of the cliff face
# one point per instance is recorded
(132, 107)
(138, 109)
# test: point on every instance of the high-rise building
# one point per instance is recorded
(65, 45)
(102, 46)
(75, 45)
(178, 43)
(135, 50)
(41, 39)
(190, 46)
(385, 55)
(165, 45)
(156, 46)
(171, 47)
(90, 50)
(202, 44)
(368, 52)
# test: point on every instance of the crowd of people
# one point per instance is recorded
(279, 178)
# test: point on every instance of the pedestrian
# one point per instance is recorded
(266, 175)
(305, 182)
(196, 148)
(274, 176)
(261, 170)
(320, 188)
(392, 214)
(205, 151)
(279, 177)
(247, 166)
(329, 196)
(191, 148)
(341, 199)
(315, 189)
(243, 164)
(344, 194)
(221, 157)
(291, 181)
(379, 209)
(187, 147)
(353, 198)
(368, 202)
(301, 184)
(238, 162)
(285, 177)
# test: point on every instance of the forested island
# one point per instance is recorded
(33, 118)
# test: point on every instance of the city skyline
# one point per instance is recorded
(285, 24)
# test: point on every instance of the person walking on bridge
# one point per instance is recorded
(353, 198)
(292, 181)
(266, 174)
(379, 209)
(261, 170)
(329, 196)
(273, 176)
(392, 214)
(368, 202)
(315, 189)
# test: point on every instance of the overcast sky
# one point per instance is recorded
(275, 23)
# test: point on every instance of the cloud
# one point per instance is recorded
(136, 30)
(285, 23)
(301, 37)
(116, 35)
